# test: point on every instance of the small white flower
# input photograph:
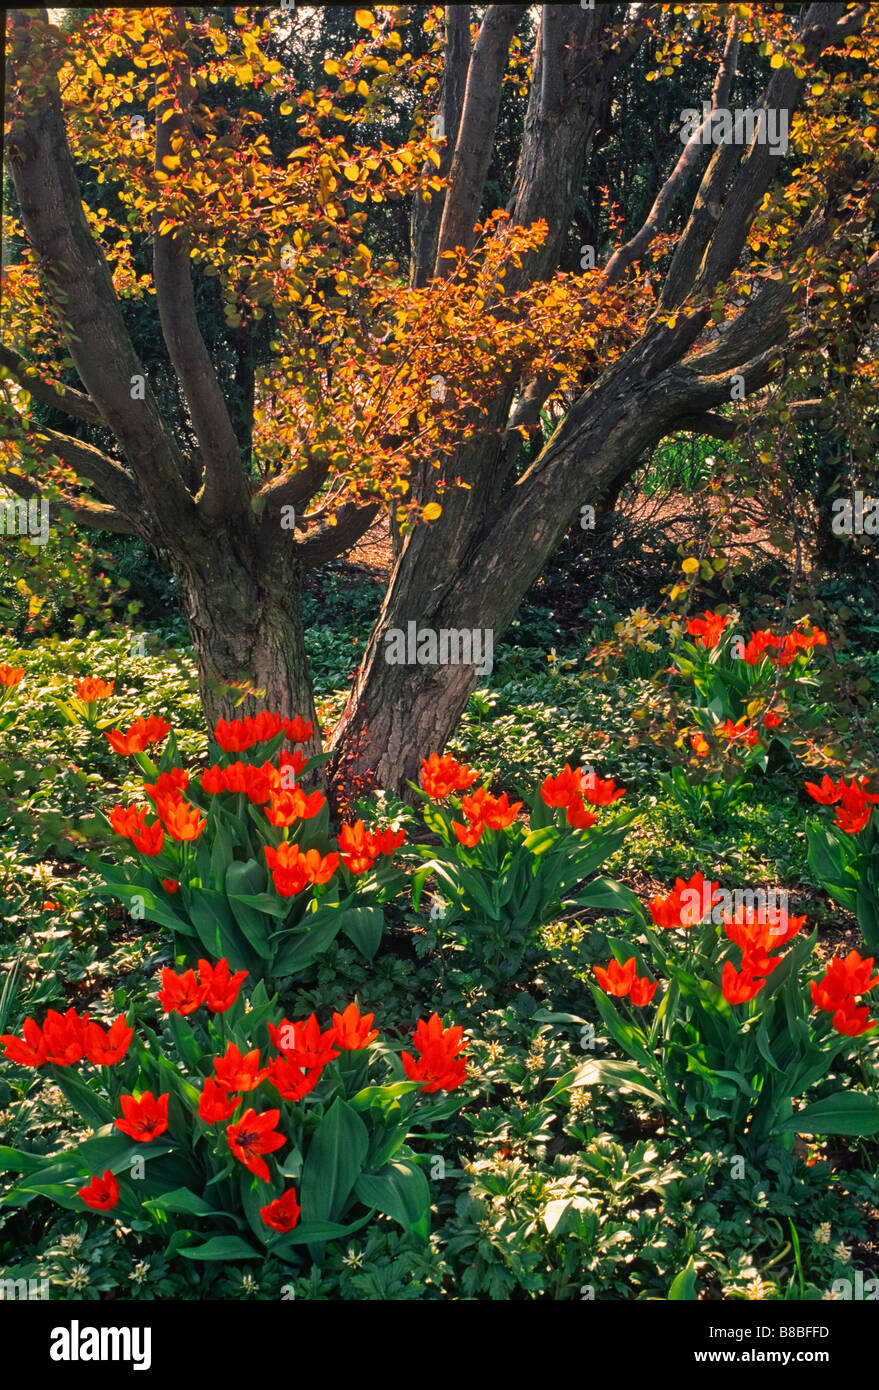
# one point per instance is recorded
(842, 1253)
(821, 1234)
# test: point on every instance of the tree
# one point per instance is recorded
(409, 392)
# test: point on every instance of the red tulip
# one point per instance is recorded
(145, 1119)
(214, 1104)
(439, 1067)
(180, 994)
(283, 1213)
(353, 1031)
(254, 1135)
(104, 1048)
(138, 736)
(707, 629)
(102, 1194)
(239, 1073)
(29, 1051)
(221, 988)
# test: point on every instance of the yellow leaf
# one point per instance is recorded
(690, 565)
(431, 511)
(351, 172)
(331, 67)
(365, 18)
(776, 61)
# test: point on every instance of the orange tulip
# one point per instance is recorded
(91, 689)
(138, 736)
(442, 776)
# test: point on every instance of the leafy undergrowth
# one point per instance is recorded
(593, 1194)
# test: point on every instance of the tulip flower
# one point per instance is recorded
(356, 848)
(352, 1031)
(564, 789)
(101, 1194)
(253, 1136)
(138, 736)
(844, 979)
(686, 905)
(601, 793)
(290, 806)
(290, 1080)
(106, 1047)
(707, 629)
(65, 1037)
(235, 1072)
(29, 1051)
(283, 1213)
(756, 649)
(221, 988)
(439, 1067)
(621, 980)
(145, 1119)
(304, 1043)
(91, 689)
(578, 817)
(468, 835)
(237, 735)
(181, 994)
(175, 780)
(298, 730)
(215, 1104)
(182, 821)
(739, 987)
(442, 776)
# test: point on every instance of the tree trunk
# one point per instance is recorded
(248, 636)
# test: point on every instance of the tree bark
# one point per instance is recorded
(247, 632)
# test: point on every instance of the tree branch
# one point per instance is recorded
(475, 142)
(55, 394)
(326, 542)
(85, 512)
(224, 492)
(634, 249)
(427, 216)
(77, 280)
